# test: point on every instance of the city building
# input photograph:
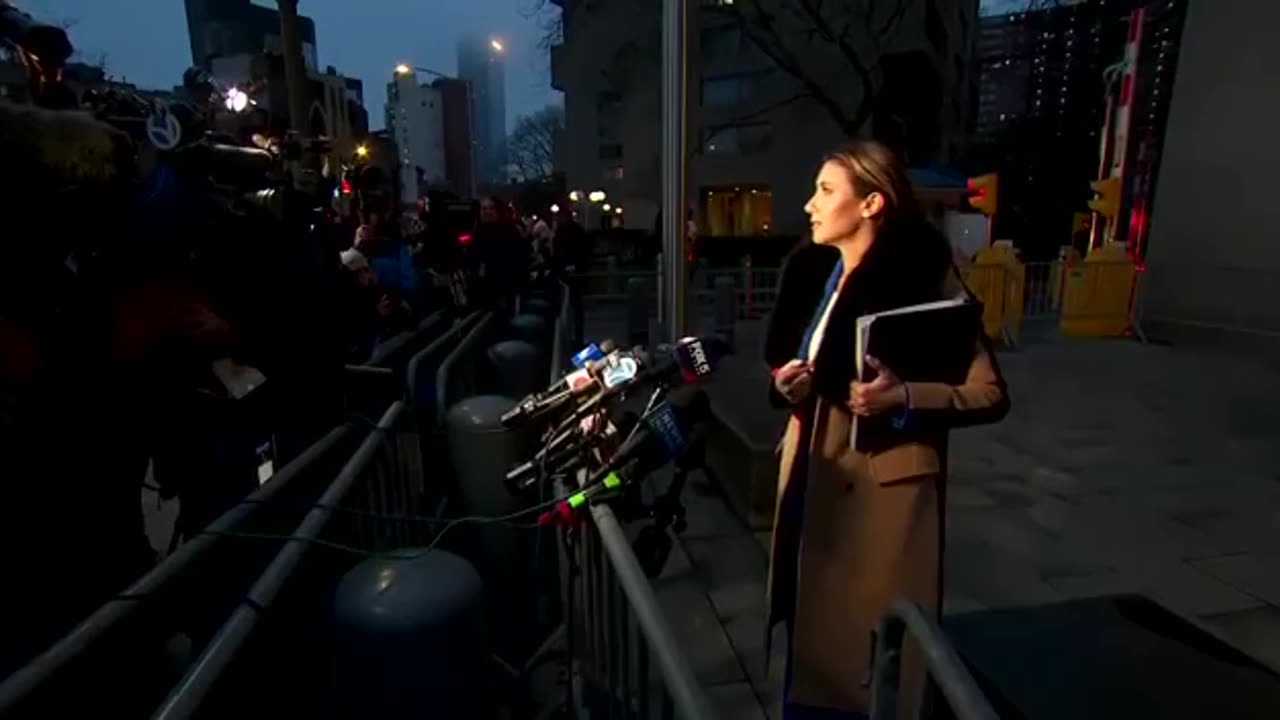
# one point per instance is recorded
(482, 65)
(1042, 107)
(756, 134)
(222, 28)
(1212, 262)
(335, 103)
(415, 119)
(455, 99)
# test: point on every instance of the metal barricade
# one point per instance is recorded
(614, 626)
(946, 670)
(207, 570)
(333, 520)
(461, 373)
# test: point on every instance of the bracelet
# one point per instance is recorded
(900, 421)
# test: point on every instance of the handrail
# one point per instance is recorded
(945, 667)
(187, 695)
(388, 350)
(476, 334)
(15, 688)
(459, 328)
(687, 697)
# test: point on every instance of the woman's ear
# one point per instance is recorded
(872, 205)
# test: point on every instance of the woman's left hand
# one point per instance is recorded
(881, 395)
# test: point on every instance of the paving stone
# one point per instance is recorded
(1255, 632)
(695, 623)
(735, 700)
(1248, 573)
(732, 571)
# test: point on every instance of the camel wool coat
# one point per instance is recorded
(856, 527)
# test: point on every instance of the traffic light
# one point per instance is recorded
(1081, 222)
(983, 193)
(1106, 198)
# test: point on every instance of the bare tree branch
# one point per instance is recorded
(531, 147)
(711, 131)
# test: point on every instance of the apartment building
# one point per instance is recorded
(755, 138)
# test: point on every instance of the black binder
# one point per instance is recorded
(933, 342)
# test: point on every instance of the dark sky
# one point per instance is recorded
(145, 41)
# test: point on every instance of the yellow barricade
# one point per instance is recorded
(998, 279)
(1097, 294)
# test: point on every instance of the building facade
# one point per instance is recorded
(455, 100)
(756, 137)
(1042, 107)
(1213, 263)
(415, 119)
(482, 65)
(223, 28)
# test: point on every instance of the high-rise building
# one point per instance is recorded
(224, 28)
(415, 118)
(757, 134)
(1042, 107)
(482, 65)
(455, 99)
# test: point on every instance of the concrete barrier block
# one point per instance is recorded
(747, 470)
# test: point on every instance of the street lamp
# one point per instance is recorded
(574, 196)
(403, 69)
(362, 151)
(597, 196)
(606, 207)
(617, 210)
(496, 44)
(407, 69)
(555, 209)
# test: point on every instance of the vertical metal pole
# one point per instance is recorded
(674, 169)
(295, 67)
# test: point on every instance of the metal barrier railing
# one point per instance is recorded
(757, 288)
(948, 673)
(456, 378)
(614, 626)
(190, 693)
(167, 584)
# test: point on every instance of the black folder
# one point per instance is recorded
(933, 342)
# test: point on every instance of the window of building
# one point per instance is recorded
(613, 172)
(732, 89)
(742, 211)
(723, 41)
(745, 139)
(611, 151)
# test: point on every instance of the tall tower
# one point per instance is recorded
(482, 65)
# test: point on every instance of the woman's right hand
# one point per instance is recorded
(794, 381)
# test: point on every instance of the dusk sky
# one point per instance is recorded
(145, 41)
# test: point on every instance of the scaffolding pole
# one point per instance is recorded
(674, 169)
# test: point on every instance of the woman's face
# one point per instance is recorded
(835, 210)
(488, 212)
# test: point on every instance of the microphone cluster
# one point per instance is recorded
(588, 431)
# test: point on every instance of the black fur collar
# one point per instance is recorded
(906, 265)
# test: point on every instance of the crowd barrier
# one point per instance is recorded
(615, 629)
(128, 648)
(755, 287)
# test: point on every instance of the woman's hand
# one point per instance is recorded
(794, 381)
(881, 395)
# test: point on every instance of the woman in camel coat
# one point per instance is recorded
(856, 527)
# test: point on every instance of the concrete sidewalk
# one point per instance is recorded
(1121, 468)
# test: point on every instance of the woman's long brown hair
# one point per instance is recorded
(872, 167)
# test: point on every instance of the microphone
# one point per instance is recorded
(663, 435)
(564, 389)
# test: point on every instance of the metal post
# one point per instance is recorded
(295, 67)
(674, 170)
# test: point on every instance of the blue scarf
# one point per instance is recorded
(833, 282)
